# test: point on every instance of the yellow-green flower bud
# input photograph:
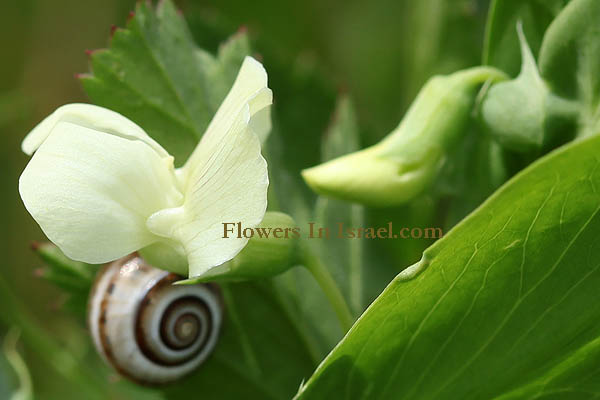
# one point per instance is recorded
(271, 250)
(404, 163)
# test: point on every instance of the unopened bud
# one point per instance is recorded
(405, 163)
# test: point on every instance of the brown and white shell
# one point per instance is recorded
(148, 329)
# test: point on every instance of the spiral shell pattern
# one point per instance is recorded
(148, 329)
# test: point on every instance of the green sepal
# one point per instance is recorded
(74, 278)
(501, 45)
(60, 268)
(523, 114)
(263, 257)
(166, 255)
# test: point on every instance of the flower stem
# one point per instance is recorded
(50, 351)
(321, 274)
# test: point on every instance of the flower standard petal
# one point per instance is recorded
(92, 191)
(249, 89)
(225, 179)
(227, 184)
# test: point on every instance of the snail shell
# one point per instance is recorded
(149, 330)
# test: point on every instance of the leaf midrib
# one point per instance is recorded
(168, 80)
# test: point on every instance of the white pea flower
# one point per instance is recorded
(101, 188)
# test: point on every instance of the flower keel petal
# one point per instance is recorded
(249, 90)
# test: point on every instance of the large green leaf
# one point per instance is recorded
(154, 74)
(501, 46)
(505, 304)
(570, 59)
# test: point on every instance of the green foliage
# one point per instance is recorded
(499, 306)
(344, 257)
(501, 47)
(297, 286)
(261, 354)
(73, 277)
(80, 273)
(472, 171)
(570, 60)
(184, 81)
(154, 74)
(14, 358)
(523, 114)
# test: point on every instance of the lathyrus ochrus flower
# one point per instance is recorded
(101, 188)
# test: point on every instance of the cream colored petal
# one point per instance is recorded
(90, 116)
(249, 90)
(227, 184)
(260, 123)
(91, 192)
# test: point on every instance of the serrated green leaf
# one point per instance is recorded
(75, 287)
(502, 305)
(154, 74)
(61, 264)
(75, 278)
(570, 59)
(501, 45)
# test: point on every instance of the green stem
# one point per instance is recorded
(46, 348)
(321, 274)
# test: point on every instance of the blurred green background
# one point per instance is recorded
(380, 52)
